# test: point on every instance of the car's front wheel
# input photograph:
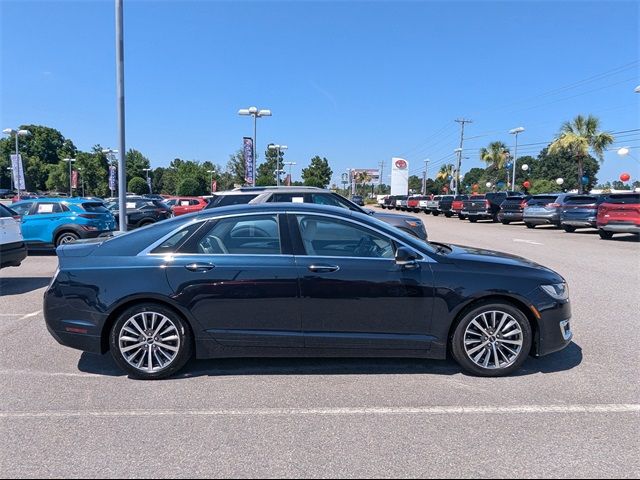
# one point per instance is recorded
(150, 342)
(492, 340)
(569, 228)
(605, 235)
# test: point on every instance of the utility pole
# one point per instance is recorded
(380, 178)
(461, 121)
(424, 177)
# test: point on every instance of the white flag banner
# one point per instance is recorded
(18, 172)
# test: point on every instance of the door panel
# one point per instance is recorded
(354, 295)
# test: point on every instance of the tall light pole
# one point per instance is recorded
(278, 149)
(461, 121)
(424, 177)
(255, 113)
(70, 161)
(122, 169)
(515, 131)
(148, 182)
(17, 176)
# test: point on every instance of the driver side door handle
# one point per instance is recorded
(199, 267)
(324, 268)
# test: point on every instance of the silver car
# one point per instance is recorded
(544, 209)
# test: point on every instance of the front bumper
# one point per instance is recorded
(554, 324)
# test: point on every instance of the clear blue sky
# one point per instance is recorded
(356, 82)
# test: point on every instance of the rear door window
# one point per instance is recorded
(245, 235)
(48, 208)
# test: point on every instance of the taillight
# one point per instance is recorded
(552, 205)
(92, 216)
(487, 204)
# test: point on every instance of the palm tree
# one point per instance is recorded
(445, 171)
(578, 137)
(496, 155)
(363, 178)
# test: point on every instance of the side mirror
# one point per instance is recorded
(406, 258)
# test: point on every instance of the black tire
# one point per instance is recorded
(66, 237)
(494, 218)
(185, 343)
(506, 222)
(473, 219)
(462, 217)
(530, 225)
(145, 223)
(569, 228)
(605, 235)
(448, 215)
(458, 340)
(435, 214)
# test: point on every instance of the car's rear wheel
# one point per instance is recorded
(530, 225)
(569, 228)
(506, 222)
(473, 219)
(144, 223)
(448, 215)
(462, 217)
(492, 340)
(605, 235)
(66, 237)
(150, 342)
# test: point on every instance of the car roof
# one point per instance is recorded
(58, 200)
(276, 188)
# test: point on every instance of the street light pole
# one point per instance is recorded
(278, 149)
(122, 169)
(515, 132)
(70, 161)
(255, 113)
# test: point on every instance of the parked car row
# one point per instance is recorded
(608, 213)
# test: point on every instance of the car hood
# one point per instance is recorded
(461, 254)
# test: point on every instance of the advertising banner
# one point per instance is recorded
(373, 175)
(74, 179)
(18, 172)
(248, 159)
(399, 176)
(112, 177)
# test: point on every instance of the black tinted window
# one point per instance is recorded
(22, 209)
(245, 235)
(623, 198)
(6, 212)
(226, 200)
(542, 199)
(586, 200)
(172, 244)
(287, 198)
(95, 208)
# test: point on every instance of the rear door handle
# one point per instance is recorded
(324, 268)
(199, 267)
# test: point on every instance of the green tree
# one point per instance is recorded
(474, 176)
(189, 187)
(136, 163)
(561, 164)
(579, 137)
(94, 171)
(266, 170)
(234, 171)
(415, 184)
(543, 186)
(318, 173)
(138, 185)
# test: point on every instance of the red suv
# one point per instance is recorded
(619, 213)
(184, 205)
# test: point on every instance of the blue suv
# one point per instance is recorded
(50, 222)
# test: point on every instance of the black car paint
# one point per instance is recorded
(275, 306)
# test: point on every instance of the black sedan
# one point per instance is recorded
(285, 280)
(141, 211)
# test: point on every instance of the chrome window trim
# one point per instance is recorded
(147, 251)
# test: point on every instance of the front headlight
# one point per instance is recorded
(559, 291)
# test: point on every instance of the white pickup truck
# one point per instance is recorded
(432, 205)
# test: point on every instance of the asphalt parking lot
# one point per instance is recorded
(572, 414)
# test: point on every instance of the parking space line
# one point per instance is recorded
(29, 315)
(356, 411)
(530, 242)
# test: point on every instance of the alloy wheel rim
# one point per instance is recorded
(493, 340)
(67, 239)
(149, 341)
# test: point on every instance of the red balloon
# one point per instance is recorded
(625, 177)
(527, 184)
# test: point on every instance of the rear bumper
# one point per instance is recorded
(479, 214)
(580, 223)
(542, 220)
(620, 227)
(12, 254)
(511, 216)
